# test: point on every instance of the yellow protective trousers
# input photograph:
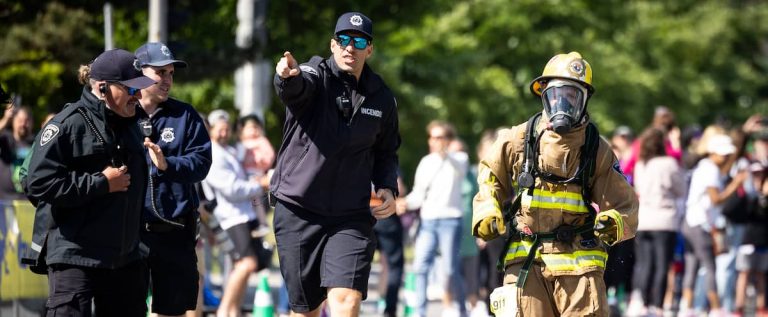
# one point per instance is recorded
(545, 295)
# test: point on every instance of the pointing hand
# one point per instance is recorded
(287, 66)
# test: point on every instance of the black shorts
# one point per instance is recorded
(245, 244)
(173, 271)
(319, 252)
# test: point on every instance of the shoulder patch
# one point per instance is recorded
(51, 131)
(617, 168)
(309, 69)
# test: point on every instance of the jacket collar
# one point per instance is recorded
(93, 103)
(369, 81)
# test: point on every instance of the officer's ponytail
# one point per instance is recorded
(84, 74)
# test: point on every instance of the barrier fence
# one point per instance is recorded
(17, 282)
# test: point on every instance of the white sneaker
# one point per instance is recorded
(450, 312)
(718, 313)
(434, 292)
(686, 312)
(636, 307)
(480, 310)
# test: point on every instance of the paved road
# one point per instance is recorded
(369, 306)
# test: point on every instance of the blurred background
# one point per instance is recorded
(466, 62)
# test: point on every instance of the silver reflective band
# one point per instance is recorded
(36, 247)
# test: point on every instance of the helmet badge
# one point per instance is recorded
(576, 68)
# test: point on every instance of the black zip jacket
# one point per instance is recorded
(84, 224)
(327, 161)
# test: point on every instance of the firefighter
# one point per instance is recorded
(553, 189)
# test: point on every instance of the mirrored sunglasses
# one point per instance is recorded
(131, 91)
(358, 42)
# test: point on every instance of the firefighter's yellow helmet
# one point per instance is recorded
(569, 66)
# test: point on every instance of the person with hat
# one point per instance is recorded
(706, 195)
(554, 187)
(178, 155)
(235, 192)
(340, 136)
(87, 177)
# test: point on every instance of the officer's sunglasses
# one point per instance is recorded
(131, 91)
(358, 42)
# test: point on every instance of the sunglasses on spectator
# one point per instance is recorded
(358, 42)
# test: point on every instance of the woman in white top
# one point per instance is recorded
(234, 193)
(706, 194)
(659, 183)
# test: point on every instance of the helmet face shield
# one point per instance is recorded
(564, 103)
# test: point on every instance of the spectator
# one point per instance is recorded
(664, 120)
(437, 191)
(234, 193)
(659, 183)
(752, 254)
(257, 156)
(15, 144)
(621, 142)
(706, 194)
(469, 251)
(389, 238)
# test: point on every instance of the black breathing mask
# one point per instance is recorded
(564, 103)
(561, 121)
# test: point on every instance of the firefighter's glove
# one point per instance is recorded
(490, 228)
(609, 227)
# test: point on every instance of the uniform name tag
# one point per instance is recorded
(371, 112)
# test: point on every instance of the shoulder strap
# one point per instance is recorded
(589, 161)
(526, 178)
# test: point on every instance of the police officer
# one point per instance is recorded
(340, 134)
(87, 176)
(179, 155)
(558, 166)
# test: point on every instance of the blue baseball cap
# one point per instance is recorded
(118, 65)
(157, 54)
(355, 21)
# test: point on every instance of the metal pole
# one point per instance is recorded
(158, 21)
(108, 45)
(253, 78)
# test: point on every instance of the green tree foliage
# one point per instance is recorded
(468, 62)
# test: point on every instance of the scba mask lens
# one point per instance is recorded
(564, 103)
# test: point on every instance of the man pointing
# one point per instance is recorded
(340, 136)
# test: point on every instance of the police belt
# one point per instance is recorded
(165, 226)
(564, 233)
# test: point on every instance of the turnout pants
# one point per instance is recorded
(545, 295)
